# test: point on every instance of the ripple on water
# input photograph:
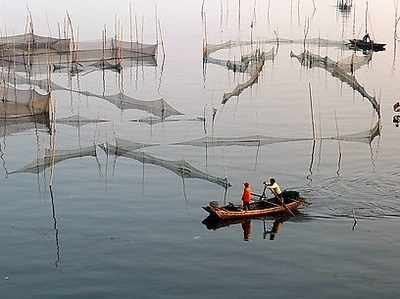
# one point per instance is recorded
(363, 196)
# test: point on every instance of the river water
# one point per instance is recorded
(117, 228)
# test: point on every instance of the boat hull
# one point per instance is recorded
(258, 209)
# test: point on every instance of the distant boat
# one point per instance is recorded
(367, 44)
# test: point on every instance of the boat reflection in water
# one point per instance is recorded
(246, 224)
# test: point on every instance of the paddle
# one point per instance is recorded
(283, 204)
(269, 202)
(263, 195)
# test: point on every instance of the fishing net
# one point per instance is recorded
(365, 136)
(32, 53)
(180, 167)
(252, 63)
(159, 107)
(254, 140)
(259, 140)
(53, 157)
(9, 126)
(21, 103)
(336, 70)
(255, 73)
(22, 44)
(77, 120)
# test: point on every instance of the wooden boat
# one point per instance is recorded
(259, 208)
(367, 45)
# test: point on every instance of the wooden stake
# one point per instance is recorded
(338, 139)
(337, 133)
(312, 111)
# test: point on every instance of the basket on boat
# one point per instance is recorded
(214, 203)
(290, 194)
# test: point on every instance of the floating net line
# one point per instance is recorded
(159, 107)
(259, 140)
(365, 136)
(239, 66)
(130, 145)
(53, 157)
(66, 64)
(208, 48)
(179, 167)
(254, 140)
(77, 120)
(9, 126)
(151, 120)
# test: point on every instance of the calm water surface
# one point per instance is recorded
(115, 228)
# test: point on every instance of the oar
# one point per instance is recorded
(263, 195)
(285, 206)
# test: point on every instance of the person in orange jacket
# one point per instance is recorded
(246, 196)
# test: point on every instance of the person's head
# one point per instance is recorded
(272, 180)
(246, 184)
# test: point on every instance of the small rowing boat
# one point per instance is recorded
(367, 45)
(258, 208)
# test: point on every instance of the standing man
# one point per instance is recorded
(274, 187)
(246, 196)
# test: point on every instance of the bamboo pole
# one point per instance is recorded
(338, 139)
(156, 18)
(355, 219)
(130, 23)
(337, 133)
(161, 37)
(312, 111)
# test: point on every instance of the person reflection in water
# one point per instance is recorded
(246, 226)
(274, 230)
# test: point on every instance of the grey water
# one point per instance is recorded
(112, 227)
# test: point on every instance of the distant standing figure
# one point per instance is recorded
(366, 38)
(274, 187)
(246, 196)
